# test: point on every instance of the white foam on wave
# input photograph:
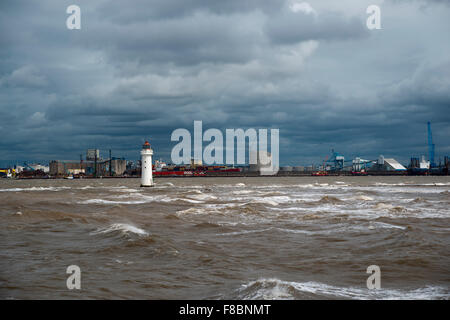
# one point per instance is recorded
(386, 225)
(298, 231)
(121, 227)
(104, 201)
(168, 184)
(128, 190)
(316, 184)
(264, 201)
(272, 289)
(181, 199)
(384, 206)
(202, 196)
(273, 201)
(243, 191)
(87, 187)
(194, 211)
(304, 185)
(388, 184)
(137, 198)
(412, 184)
(398, 189)
(196, 191)
(164, 185)
(34, 189)
(363, 198)
(237, 233)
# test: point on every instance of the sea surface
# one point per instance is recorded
(226, 238)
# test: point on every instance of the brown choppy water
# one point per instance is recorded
(226, 238)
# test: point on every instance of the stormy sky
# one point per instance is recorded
(140, 69)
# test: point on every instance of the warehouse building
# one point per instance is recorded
(100, 168)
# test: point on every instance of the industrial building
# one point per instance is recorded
(94, 166)
(92, 154)
(7, 172)
(387, 164)
(100, 168)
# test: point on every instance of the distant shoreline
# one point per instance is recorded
(240, 175)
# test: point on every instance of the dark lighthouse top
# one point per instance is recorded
(146, 145)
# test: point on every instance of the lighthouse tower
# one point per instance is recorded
(146, 165)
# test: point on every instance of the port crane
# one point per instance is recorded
(337, 162)
(28, 167)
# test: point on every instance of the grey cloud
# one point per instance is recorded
(291, 27)
(427, 86)
(142, 69)
(25, 76)
(170, 9)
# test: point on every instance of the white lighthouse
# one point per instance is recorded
(146, 165)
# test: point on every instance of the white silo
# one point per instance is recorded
(146, 165)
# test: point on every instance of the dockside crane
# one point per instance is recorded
(337, 160)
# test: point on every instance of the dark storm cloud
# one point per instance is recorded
(141, 69)
(428, 86)
(292, 27)
(143, 10)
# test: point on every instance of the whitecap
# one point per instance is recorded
(204, 197)
(363, 198)
(190, 211)
(242, 191)
(383, 206)
(266, 201)
(103, 201)
(236, 233)
(34, 189)
(271, 289)
(387, 225)
(121, 227)
(180, 199)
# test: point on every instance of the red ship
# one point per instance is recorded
(195, 171)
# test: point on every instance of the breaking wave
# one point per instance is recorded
(275, 289)
(329, 199)
(123, 228)
(190, 211)
(34, 189)
(386, 225)
(363, 198)
(237, 233)
(390, 207)
(103, 201)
